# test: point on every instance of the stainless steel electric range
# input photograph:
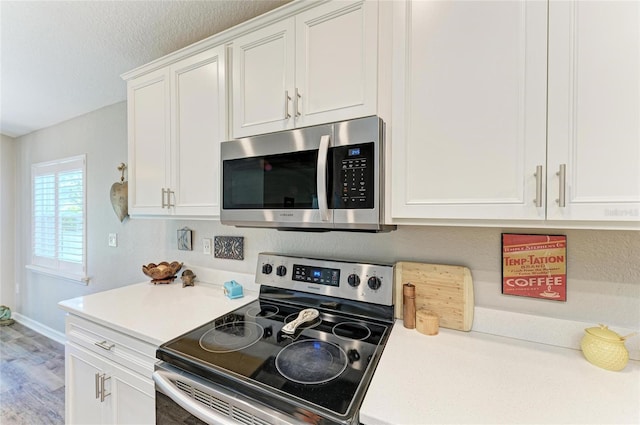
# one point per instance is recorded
(303, 352)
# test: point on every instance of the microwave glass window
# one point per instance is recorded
(283, 181)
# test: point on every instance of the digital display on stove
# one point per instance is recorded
(316, 275)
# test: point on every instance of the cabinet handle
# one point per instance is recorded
(287, 98)
(538, 174)
(562, 182)
(297, 101)
(104, 345)
(97, 383)
(169, 193)
(103, 394)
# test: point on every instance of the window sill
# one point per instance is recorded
(80, 279)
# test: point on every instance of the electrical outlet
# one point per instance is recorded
(113, 239)
(206, 246)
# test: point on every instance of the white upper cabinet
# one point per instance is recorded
(479, 133)
(469, 109)
(198, 116)
(177, 120)
(263, 80)
(594, 111)
(149, 142)
(336, 62)
(318, 66)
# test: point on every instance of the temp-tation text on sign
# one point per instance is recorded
(534, 266)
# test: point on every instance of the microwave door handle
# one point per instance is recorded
(323, 153)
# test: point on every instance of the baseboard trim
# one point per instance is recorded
(39, 327)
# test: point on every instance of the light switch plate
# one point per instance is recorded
(206, 246)
(113, 239)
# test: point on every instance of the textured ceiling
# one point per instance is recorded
(61, 59)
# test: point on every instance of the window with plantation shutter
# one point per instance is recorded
(58, 217)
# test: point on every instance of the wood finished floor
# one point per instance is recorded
(31, 377)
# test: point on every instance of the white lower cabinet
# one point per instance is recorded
(108, 376)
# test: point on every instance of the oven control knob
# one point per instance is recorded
(281, 270)
(374, 283)
(267, 268)
(353, 280)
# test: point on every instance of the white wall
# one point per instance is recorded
(7, 221)
(603, 266)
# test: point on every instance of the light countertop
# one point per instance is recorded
(156, 313)
(472, 377)
(453, 377)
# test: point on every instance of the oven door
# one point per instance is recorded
(184, 398)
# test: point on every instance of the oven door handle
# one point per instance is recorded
(170, 390)
(321, 183)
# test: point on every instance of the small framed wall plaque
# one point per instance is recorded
(534, 266)
(229, 247)
(184, 239)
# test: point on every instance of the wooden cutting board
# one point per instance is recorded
(445, 290)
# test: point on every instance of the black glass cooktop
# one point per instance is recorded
(326, 363)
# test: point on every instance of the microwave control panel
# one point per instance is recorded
(353, 176)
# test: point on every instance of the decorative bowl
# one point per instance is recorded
(163, 272)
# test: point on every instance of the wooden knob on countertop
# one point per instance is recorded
(427, 322)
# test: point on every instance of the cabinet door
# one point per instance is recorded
(469, 109)
(198, 116)
(81, 403)
(127, 397)
(263, 86)
(594, 110)
(149, 156)
(336, 62)
(131, 399)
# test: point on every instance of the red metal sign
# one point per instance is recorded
(534, 266)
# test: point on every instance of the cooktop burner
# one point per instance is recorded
(231, 337)
(263, 311)
(311, 361)
(324, 367)
(351, 330)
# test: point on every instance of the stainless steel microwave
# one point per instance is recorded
(325, 177)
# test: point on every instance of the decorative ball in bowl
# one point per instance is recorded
(163, 272)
